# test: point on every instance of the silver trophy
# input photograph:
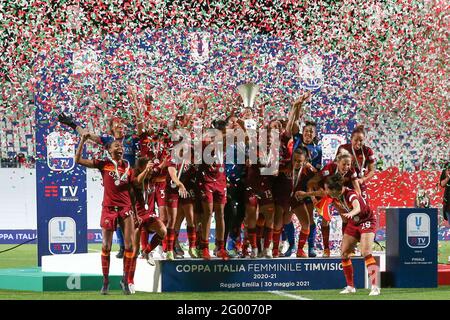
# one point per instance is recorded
(248, 93)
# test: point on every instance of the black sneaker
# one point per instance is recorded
(125, 288)
(119, 255)
(105, 289)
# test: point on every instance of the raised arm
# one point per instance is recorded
(137, 111)
(262, 113)
(296, 113)
(78, 158)
(148, 171)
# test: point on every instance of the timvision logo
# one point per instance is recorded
(65, 193)
(418, 230)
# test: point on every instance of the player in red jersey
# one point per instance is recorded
(145, 217)
(342, 165)
(213, 188)
(155, 145)
(283, 181)
(361, 228)
(301, 204)
(117, 207)
(363, 158)
(279, 183)
(259, 198)
(180, 197)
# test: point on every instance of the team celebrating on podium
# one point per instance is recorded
(149, 191)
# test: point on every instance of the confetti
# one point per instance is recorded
(381, 64)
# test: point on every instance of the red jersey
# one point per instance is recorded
(188, 175)
(344, 202)
(331, 168)
(156, 148)
(299, 178)
(256, 180)
(285, 155)
(212, 173)
(116, 182)
(145, 196)
(360, 158)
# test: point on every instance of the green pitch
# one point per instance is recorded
(25, 256)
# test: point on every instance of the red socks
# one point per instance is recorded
(302, 239)
(127, 262)
(372, 269)
(348, 271)
(156, 241)
(132, 269)
(105, 266)
(204, 244)
(220, 244)
(192, 237)
(170, 239)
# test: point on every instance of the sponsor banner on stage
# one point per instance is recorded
(17, 236)
(258, 274)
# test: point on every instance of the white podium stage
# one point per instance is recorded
(147, 278)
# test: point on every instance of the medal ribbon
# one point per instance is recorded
(295, 180)
(117, 170)
(360, 168)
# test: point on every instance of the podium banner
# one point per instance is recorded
(60, 189)
(258, 274)
(411, 247)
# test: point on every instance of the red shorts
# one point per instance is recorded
(281, 192)
(160, 193)
(261, 197)
(355, 230)
(173, 198)
(212, 192)
(108, 219)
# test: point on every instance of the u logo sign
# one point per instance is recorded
(418, 222)
(62, 226)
